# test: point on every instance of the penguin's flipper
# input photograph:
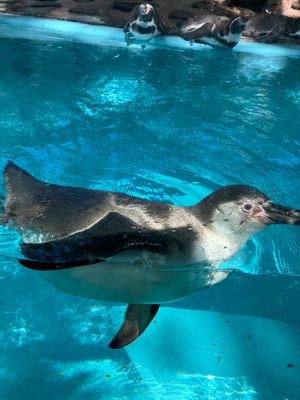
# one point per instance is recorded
(137, 318)
(133, 15)
(126, 27)
(111, 235)
(196, 31)
(160, 23)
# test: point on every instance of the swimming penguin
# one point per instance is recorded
(212, 29)
(111, 246)
(272, 27)
(144, 23)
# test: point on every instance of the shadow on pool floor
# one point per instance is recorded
(271, 296)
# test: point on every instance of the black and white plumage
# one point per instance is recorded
(110, 246)
(144, 23)
(212, 29)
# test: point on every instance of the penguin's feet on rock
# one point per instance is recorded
(129, 38)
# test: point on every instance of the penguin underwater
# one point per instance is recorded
(114, 247)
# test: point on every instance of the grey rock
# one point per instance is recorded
(45, 4)
(83, 10)
(180, 15)
(254, 5)
(126, 6)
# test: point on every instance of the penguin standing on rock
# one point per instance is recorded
(144, 23)
(214, 30)
(270, 28)
(114, 247)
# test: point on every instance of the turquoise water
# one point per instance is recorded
(169, 125)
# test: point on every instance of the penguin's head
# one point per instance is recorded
(145, 12)
(243, 210)
(237, 26)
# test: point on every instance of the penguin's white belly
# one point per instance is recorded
(232, 38)
(131, 283)
(211, 41)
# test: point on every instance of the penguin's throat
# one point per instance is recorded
(238, 231)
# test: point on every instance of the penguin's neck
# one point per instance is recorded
(233, 232)
(223, 236)
(217, 245)
(145, 24)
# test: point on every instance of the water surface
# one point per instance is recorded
(172, 126)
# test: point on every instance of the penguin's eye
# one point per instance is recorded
(247, 207)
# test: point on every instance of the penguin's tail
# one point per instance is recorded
(21, 190)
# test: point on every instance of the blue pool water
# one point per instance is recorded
(166, 124)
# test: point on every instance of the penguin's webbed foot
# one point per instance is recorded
(137, 318)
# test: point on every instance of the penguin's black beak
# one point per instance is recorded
(277, 214)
